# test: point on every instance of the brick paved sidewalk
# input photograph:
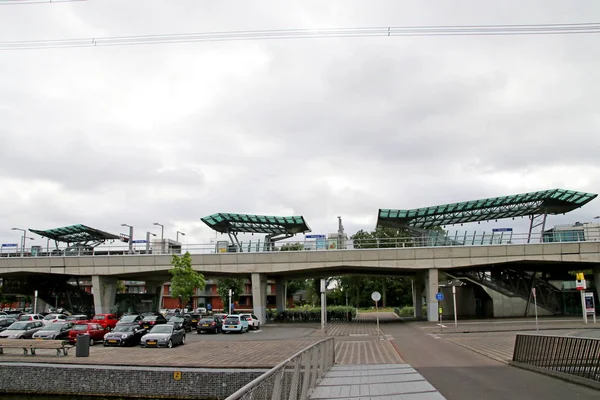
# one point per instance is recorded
(242, 354)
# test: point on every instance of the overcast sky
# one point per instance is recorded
(316, 127)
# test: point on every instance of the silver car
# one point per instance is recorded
(21, 330)
(54, 331)
(164, 336)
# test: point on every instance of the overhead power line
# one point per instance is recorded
(21, 2)
(456, 30)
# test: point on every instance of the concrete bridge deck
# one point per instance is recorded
(295, 263)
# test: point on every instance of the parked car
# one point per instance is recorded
(163, 336)
(235, 323)
(5, 323)
(195, 318)
(184, 321)
(124, 335)
(30, 317)
(21, 330)
(96, 332)
(108, 321)
(54, 331)
(210, 324)
(253, 322)
(50, 318)
(151, 320)
(221, 316)
(130, 319)
(77, 317)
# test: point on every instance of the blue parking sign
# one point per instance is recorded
(439, 296)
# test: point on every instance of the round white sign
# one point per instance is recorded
(376, 296)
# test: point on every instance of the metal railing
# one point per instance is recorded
(568, 355)
(294, 378)
(255, 246)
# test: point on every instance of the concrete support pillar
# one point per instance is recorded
(280, 295)
(105, 293)
(259, 296)
(432, 289)
(417, 292)
(156, 289)
(597, 282)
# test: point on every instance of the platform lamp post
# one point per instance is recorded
(148, 241)
(22, 240)
(162, 236)
(130, 237)
(179, 233)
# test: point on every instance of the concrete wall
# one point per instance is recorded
(505, 306)
(465, 302)
(84, 380)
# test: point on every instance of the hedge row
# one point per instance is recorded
(306, 314)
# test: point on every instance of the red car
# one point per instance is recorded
(108, 321)
(96, 332)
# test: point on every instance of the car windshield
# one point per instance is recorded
(24, 318)
(80, 327)
(162, 329)
(53, 327)
(99, 317)
(18, 326)
(50, 316)
(176, 319)
(128, 318)
(231, 320)
(151, 318)
(205, 320)
(124, 328)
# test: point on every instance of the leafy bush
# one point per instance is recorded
(408, 311)
(313, 314)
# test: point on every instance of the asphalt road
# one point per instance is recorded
(460, 374)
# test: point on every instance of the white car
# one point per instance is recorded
(253, 322)
(50, 318)
(235, 323)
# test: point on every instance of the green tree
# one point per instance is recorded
(121, 288)
(184, 280)
(235, 284)
(291, 247)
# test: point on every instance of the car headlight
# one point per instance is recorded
(105, 335)
(124, 336)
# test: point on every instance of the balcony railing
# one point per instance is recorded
(431, 240)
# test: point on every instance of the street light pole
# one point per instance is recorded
(23, 241)
(162, 230)
(130, 238)
(148, 241)
(179, 233)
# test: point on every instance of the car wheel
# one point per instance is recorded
(91, 342)
(105, 344)
(170, 344)
(183, 340)
(257, 327)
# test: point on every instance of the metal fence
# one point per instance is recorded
(294, 378)
(301, 244)
(569, 355)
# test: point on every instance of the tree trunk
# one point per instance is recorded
(383, 296)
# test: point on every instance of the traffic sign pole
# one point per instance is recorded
(455, 313)
(376, 296)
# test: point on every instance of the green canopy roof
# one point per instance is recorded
(76, 234)
(554, 201)
(243, 223)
